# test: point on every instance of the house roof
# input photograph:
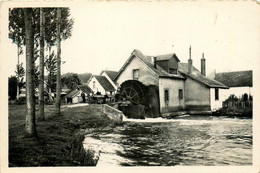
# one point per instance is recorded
(182, 67)
(104, 83)
(166, 57)
(236, 79)
(148, 62)
(72, 94)
(111, 74)
(85, 89)
(196, 75)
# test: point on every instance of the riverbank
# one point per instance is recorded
(234, 112)
(59, 141)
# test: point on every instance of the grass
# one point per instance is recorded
(59, 141)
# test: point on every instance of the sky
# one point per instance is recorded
(105, 33)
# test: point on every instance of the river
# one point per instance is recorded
(190, 140)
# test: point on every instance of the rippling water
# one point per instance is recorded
(192, 140)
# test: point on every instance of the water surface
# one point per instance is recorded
(191, 140)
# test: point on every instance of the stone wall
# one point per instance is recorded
(113, 113)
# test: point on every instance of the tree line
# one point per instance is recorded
(38, 30)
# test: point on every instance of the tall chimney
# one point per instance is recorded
(203, 65)
(154, 61)
(190, 63)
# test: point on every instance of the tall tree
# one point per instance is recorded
(58, 85)
(30, 125)
(41, 66)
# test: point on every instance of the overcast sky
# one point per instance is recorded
(105, 34)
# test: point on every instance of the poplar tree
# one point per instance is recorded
(58, 83)
(30, 125)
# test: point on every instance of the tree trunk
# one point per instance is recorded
(30, 125)
(49, 80)
(58, 84)
(41, 68)
(18, 77)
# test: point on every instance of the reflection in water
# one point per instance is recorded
(194, 140)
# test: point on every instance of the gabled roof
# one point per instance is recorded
(236, 79)
(166, 57)
(196, 75)
(147, 61)
(104, 83)
(72, 94)
(85, 89)
(111, 74)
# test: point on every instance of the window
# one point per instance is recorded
(166, 95)
(180, 94)
(216, 94)
(172, 71)
(94, 84)
(136, 74)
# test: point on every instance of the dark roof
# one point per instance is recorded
(104, 83)
(72, 94)
(84, 77)
(196, 75)
(86, 89)
(148, 62)
(236, 79)
(111, 74)
(166, 57)
(182, 67)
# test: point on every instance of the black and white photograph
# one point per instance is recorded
(138, 86)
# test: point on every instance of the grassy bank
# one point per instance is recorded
(234, 112)
(59, 141)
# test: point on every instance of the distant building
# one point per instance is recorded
(110, 75)
(163, 84)
(101, 84)
(239, 82)
(75, 96)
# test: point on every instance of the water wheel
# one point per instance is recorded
(133, 91)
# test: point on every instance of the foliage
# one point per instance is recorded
(50, 27)
(20, 73)
(17, 26)
(51, 67)
(71, 80)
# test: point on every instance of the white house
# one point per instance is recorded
(101, 84)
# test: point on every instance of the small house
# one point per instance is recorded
(239, 82)
(76, 96)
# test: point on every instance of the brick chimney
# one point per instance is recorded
(203, 65)
(190, 63)
(154, 59)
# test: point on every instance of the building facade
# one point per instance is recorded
(180, 85)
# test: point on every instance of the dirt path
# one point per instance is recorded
(75, 105)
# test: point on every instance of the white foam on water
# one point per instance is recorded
(105, 152)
